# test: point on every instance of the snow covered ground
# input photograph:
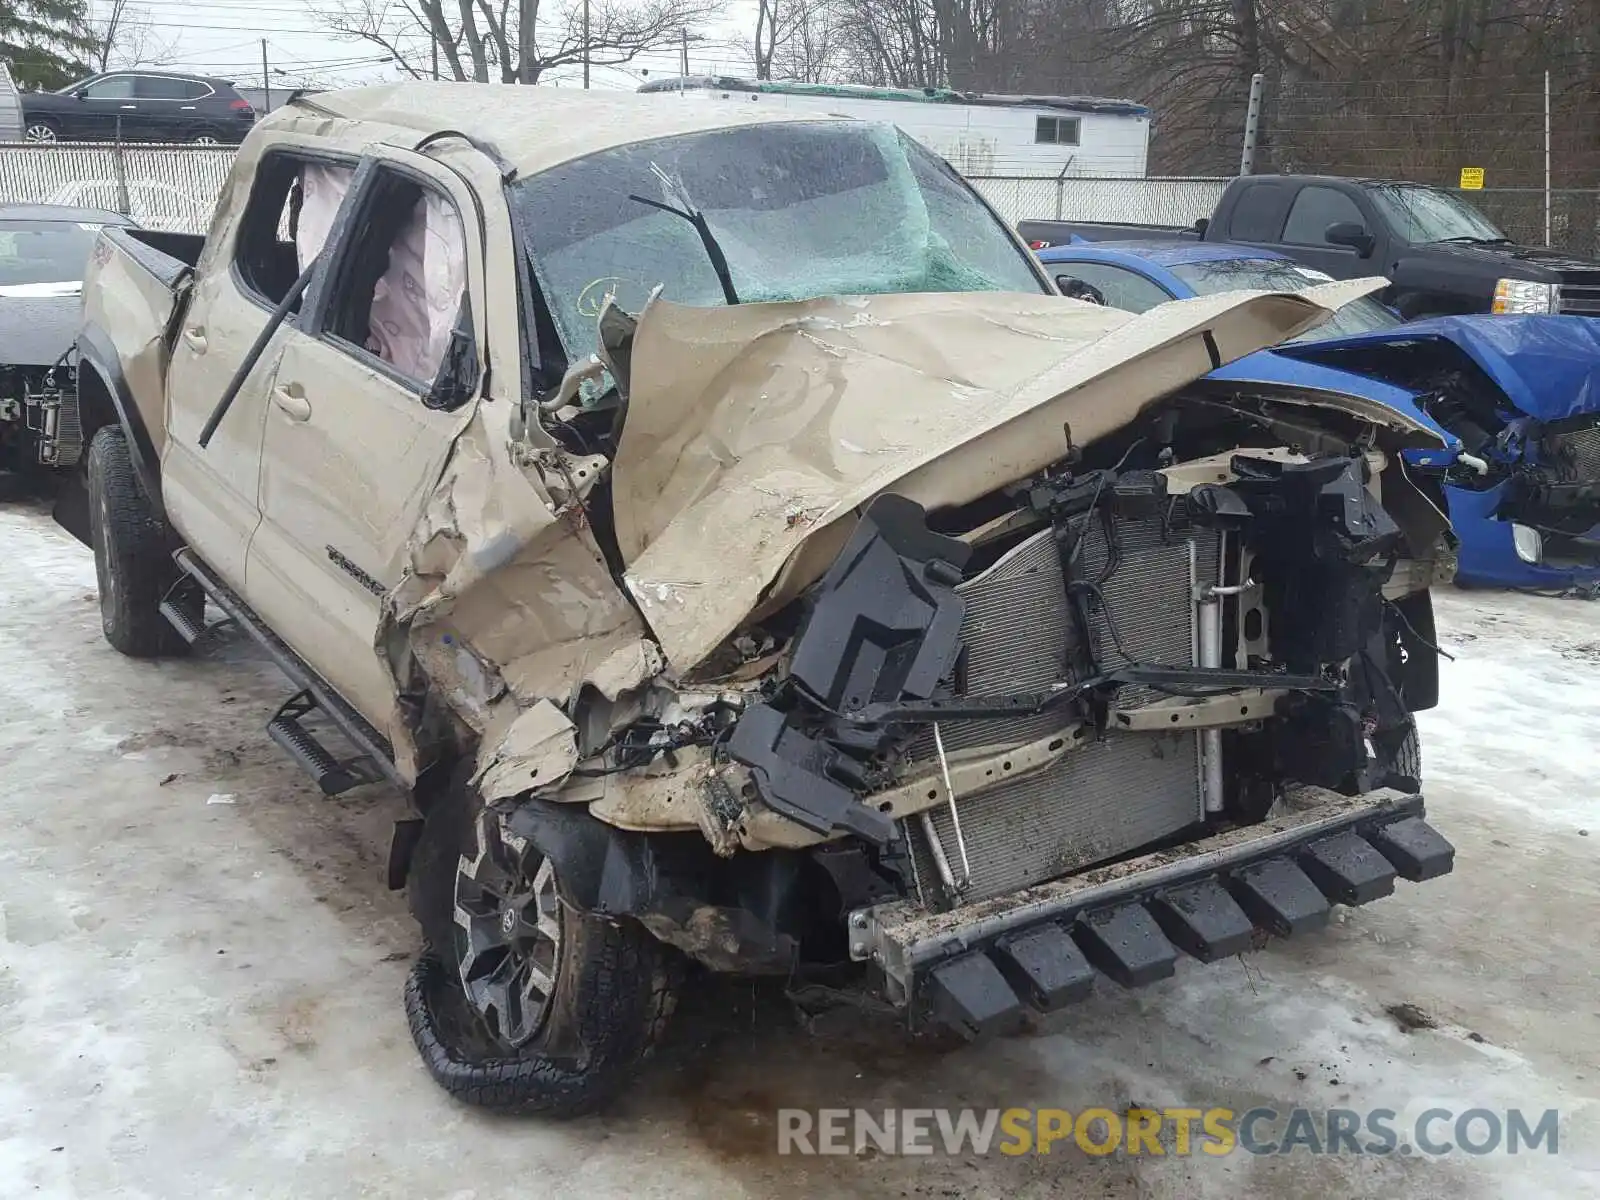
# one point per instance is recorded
(200, 970)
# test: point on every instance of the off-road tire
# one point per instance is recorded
(1408, 758)
(132, 553)
(613, 994)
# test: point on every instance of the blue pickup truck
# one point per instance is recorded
(1518, 398)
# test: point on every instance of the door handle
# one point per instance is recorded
(130, 107)
(195, 337)
(292, 401)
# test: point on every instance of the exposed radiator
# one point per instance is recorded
(1103, 799)
(1580, 453)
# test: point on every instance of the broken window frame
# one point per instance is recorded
(272, 209)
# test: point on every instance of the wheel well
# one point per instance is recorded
(95, 407)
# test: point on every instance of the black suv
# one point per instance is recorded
(143, 106)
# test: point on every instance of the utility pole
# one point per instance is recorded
(266, 79)
(528, 10)
(683, 53)
(585, 43)
(1252, 126)
(1547, 158)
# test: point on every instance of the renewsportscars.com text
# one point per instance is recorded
(1168, 1131)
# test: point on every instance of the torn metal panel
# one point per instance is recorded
(538, 750)
(507, 603)
(754, 430)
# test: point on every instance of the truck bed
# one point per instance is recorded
(166, 255)
(148, 271)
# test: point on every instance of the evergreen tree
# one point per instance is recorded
(47, 42)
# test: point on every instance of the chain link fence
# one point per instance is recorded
(163, 187)
(1574, 216)
(1143, 201)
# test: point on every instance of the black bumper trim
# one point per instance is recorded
(1131, 920)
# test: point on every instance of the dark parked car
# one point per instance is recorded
(146, 106)
(1442, 255)
(44, 253)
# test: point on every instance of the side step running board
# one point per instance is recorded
(331, 774)
(374, 759)
(183, 614)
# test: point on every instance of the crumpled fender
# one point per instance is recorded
(507, 606)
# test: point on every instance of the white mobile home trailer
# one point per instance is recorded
(979, 134)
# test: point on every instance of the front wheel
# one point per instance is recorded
(40, 130)
(519, 1002)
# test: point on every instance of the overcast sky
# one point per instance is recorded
(223, 37)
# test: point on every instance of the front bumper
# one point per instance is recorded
(977, 968)
(1487, 555)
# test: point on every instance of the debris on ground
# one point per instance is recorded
(1411, 1018)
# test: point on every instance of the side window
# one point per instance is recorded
(1258, 213)
(1315, 208)
(151, 87)
(1124, 289)
(398, 292)
(112, 87)
(194, 89)
(286, 220)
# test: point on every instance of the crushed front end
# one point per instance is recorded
(1155, 698)
(39, 417)
(1197, 659)
(953, 694)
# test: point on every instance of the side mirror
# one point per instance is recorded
(457, 381)
(1077, 289)
(1349, 233)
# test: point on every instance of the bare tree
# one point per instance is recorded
(126, 37)
(812, 51)
(483, 40)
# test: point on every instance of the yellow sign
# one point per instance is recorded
(1471, 178)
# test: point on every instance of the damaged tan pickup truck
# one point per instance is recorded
(736, 551)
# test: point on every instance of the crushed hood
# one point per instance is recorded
(1548, 367)
(1280, 368)
(755, 431)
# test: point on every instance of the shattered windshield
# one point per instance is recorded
(1362, 315)
(797, 210)
(1424, 214)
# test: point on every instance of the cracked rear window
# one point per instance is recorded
(798, 210)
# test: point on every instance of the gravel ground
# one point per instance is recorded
(200, 970)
